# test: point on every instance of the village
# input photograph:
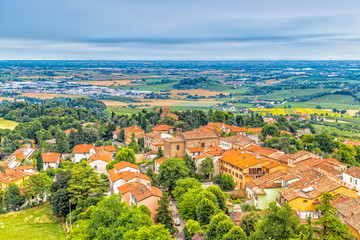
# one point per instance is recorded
(261, 175)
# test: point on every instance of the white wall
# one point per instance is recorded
(50, 165)
(128, 169)
(99, 166)
(79, 156)
(355, 182)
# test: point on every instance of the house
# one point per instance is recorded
(150, 138)
(163, 128)
(82, 151)
(352, 177)
(51, 160)
(263, 151)
(118, 179)
(129, 131)
(111, 149)
(243, 166)
(238, 130)
(157, 163)
(336, 163)
(13, 176)
(270, 120)
(156, 145)
(301, 132)
(27, 169)
(99, 160)
(238, 140)
(68, 131)
(348, 211)
(215, 126)
(303, 194)
(301, 155)
(116, 134)
(167, 114)
(191, 139)
(215, 153)
(25, 152)
(141, 194)
(265, 189)
(126, 167)
(192, 152)
(51, 141)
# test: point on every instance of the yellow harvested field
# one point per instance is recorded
(112, 103)
(349, 112)
(47, 96)
(6, 98)
(199, 92)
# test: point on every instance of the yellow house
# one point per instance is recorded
(245, 166)
(303, 195)
(13, 176)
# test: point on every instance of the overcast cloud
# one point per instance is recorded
(166, 29)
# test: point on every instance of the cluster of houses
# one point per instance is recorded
(262, 175)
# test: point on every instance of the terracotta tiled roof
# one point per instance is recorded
(237, 129)
(236, 138)
(299, 154)
(116, 132)
(309, 162)
(153, 134)
(109, 148)
(12, 175)
(349, 208)
(198, 135)
(158, 143)
(192, 150)
(267, 180)
(261, 150)
(174, 139)
(102, 155)
(23, 153)
(353, 171)
(120, 165)
(67, 131)
(83, 148)
(242, 159)
(22, 168)
(134, 129)
(162, 127)
(333, 161)
(275, 164)
(204, 155)
(160, 160)
(255, 130)
(282, 131)
(328, 168)
(127, 176)
(140, 191)
(50, 157)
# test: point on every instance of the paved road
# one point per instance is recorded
(173, 208)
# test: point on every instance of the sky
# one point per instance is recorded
(179, 30)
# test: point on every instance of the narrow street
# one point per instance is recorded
(173, 208)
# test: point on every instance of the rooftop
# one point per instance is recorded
(50, 157)
(140, 191)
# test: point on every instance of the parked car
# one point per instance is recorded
(177, 221)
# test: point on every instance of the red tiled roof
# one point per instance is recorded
(200, 134)
(192, 150)
(109, 148)
(50, 157)
(23, 153)
(120, 165)
(134, 129)
(140, 191)
(353, 171)
(162, 127)
(126, 176)
(12, 175)
(83, 148)
(160, 160)
(102, 155)
(67, 131)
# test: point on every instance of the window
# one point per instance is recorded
(202, 145)
(355, 181)
(177, 147)
(305, 200)
(351, 179)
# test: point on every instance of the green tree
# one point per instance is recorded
(37, 185)
(191, 228)
(62, 144)
(235, 233)
(170, 171)
(146, 233)
(187, 204)
(60, 202)
(207, 167)
(279, 223)
(227, 182)
(163, 214)
(125, 154)
(325, 142)
(190, 164)
(39, 160)
(145, 210)
(223, 228)
(204, 211)
(13, 198)
(183, 185)
(84, 181)
(220, 196)
(346, 154)
(133, 144)
(330, 227)
(271, 130)
(159, 153)
(249, 221)
(211, 231)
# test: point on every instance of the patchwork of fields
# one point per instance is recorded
(289, 111)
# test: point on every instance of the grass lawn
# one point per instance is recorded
(7, 124)
(33, 223)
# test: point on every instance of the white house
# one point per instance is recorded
(352, 176)
(99, 161)
(126, 167)
(82, 151)
(51, 160)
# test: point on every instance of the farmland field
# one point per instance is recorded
(282, 94)
(285, 111)
(7, 124)
(34, 223)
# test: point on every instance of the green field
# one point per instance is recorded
(335, 98)
(34, 223)
(287, 93)
(7, 124)
(335, 131)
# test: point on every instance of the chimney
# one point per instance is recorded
(178, 131)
